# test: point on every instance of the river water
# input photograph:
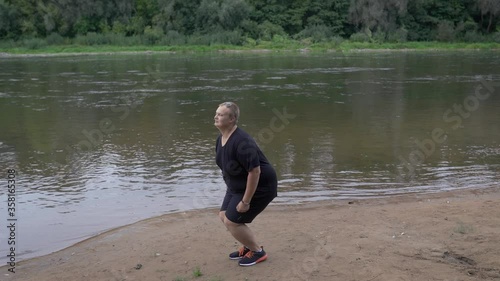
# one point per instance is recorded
(101, 141)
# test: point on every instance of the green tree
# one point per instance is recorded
(64, 14)
(145, 9)
(382, 15)
(437, 19)
(330, 13)
(296, 16)
(137, 16)
(270, 12)
(232, 13)
(9, 25)
(395, 20)
(418, 22)
(207, 16)
(177, 15)
(491, 10)
(449, 10)
(267, 30)
(30, 20)
(93, 15)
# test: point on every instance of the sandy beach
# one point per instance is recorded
(443, 236)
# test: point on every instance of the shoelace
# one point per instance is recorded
(249, 254)
(241, 251)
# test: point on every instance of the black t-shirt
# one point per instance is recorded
(239, 155)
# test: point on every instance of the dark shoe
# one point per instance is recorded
(252, 258)
(239, 254)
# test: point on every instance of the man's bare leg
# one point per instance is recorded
(240, 232)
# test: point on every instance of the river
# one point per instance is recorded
(101, 141)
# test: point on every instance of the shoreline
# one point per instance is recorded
(264, 51)
(450, 234)
(76, 50)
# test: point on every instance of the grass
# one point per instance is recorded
(463, 228)
(197, 272)
(288, 45)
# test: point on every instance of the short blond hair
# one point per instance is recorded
(233, 107)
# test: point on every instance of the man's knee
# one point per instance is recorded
(222, 216)
(226, 221)
(230, 225)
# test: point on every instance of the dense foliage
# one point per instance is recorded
(238, 22)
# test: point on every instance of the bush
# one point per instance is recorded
(110, 39)
(445, 31)
(227, 37)
(83, 26)
(267, 30)
(173, 38)
(280, 39)
(122, 40)
(7, 44)
(34, 43)
(152, 35)
(495, 37)
(399, 36)
(91, 39)
(473, 37)
(224, 37)
(133, 40)
(467, 31)
(378, 36)
(119, 28)
(337, 40)
(250, 28)
(198, 39)
(317, 33)
(360, 37)
(469, 26)
(55, 39)
(250, 42)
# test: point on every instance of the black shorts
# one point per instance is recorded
(257, 205)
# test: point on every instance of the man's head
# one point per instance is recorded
(226, 115)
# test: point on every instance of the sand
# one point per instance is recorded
(443, 236)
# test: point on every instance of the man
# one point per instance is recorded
(251, 182)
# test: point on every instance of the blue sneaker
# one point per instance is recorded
(239, 254)
(252, 258)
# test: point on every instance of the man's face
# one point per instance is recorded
(223, 118)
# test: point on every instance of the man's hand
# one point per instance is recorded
(242, 207)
